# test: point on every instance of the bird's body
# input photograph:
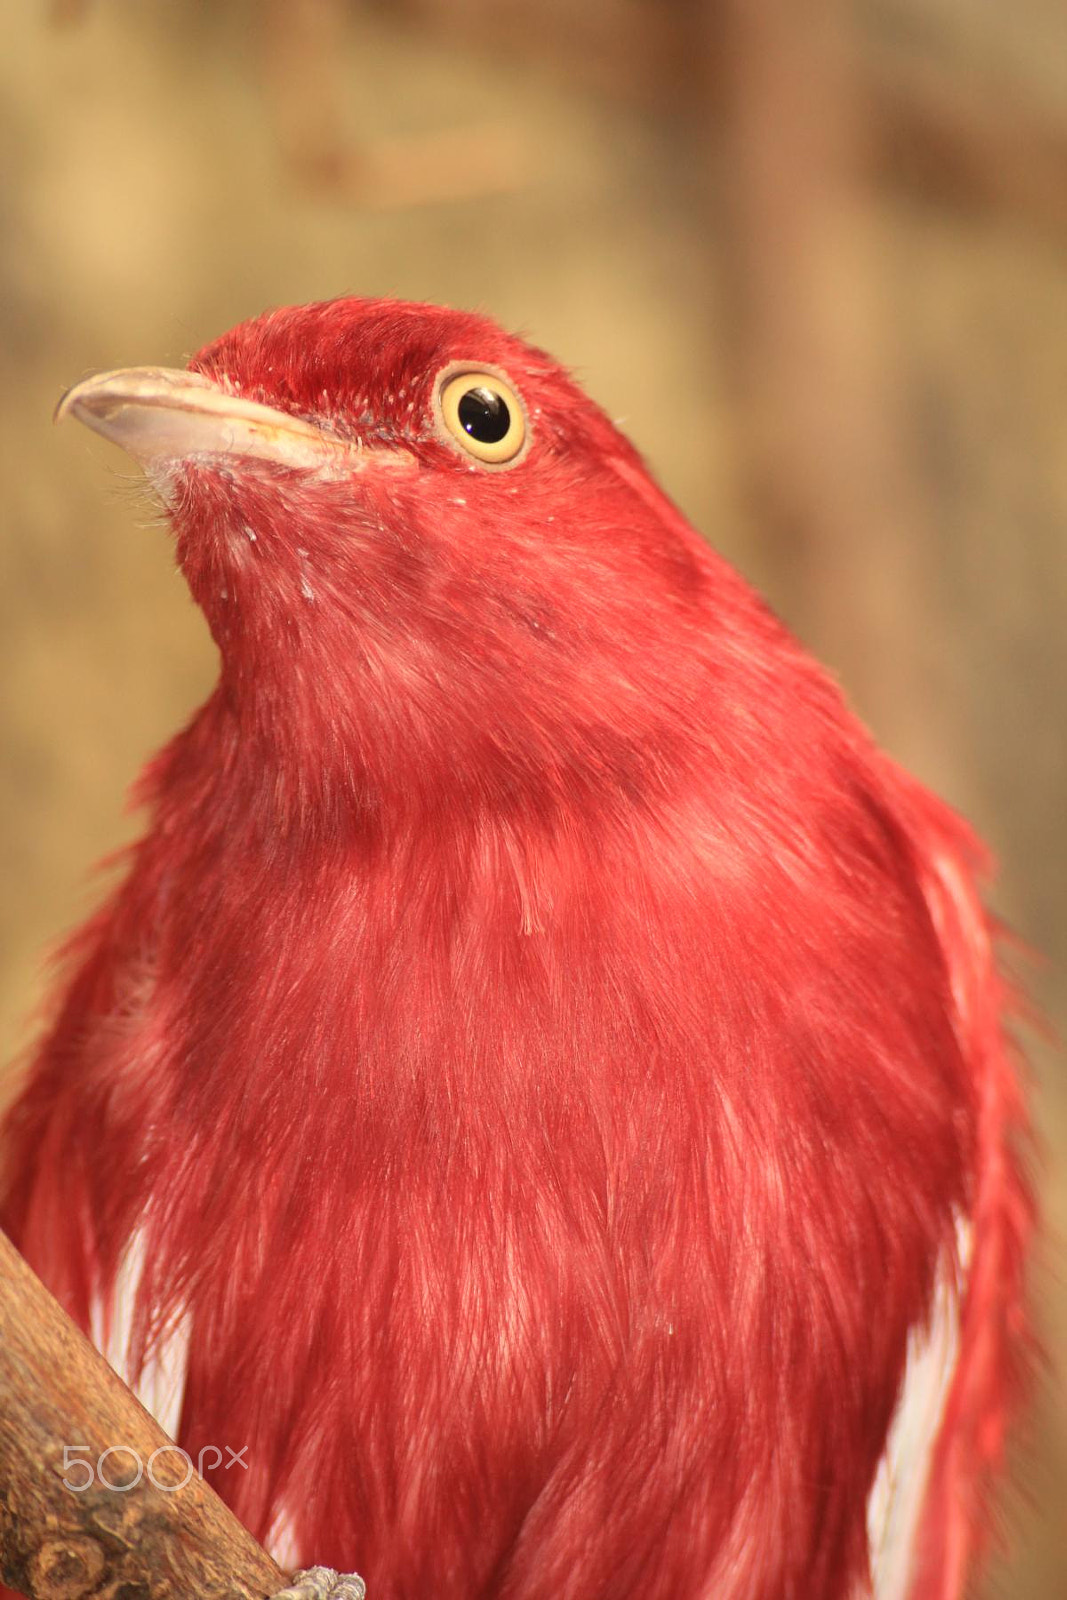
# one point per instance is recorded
(543, 1063)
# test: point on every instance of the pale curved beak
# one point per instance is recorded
(163, 414)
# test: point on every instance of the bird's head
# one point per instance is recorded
(420, 548)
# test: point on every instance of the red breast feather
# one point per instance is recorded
(546, 1047)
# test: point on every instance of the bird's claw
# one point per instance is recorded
(323, 1583)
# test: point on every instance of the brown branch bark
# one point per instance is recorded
(123, 1536)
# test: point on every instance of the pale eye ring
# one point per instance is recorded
(480, 411)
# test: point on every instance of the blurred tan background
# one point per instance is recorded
(813, 253)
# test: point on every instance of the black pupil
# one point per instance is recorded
(484, 415)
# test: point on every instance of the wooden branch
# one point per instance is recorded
(94, 1498)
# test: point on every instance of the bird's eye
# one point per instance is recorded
(483, 414)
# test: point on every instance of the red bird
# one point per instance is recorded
(540, 1088)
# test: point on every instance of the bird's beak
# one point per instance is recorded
(162, 414)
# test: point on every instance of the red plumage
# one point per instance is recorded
(548, 1052)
